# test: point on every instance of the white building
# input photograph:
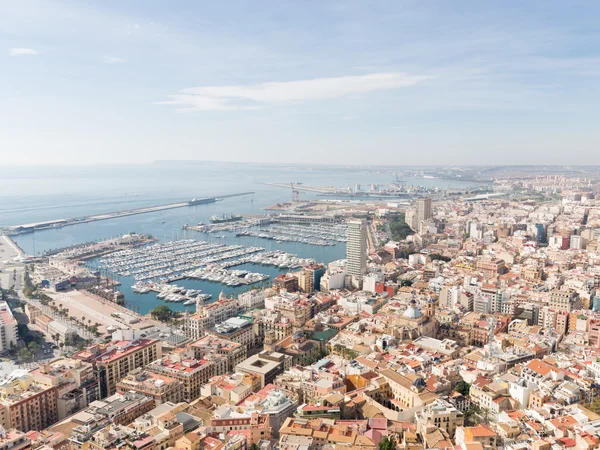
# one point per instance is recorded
(577, 242)
(356, 249)
(8, 328)
(253, 299)
(370, 280)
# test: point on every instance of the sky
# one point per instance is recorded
(330, 82)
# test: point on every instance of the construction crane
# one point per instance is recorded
(295, 194)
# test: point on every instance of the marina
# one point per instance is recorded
(324, 235)
(170, 261)
(155, 266)
(65, 200)
(311, 234)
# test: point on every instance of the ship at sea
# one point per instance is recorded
(225, 218)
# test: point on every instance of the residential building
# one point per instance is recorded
(482, 434)
(232, 352)
(195, 325)
(356, 248)
(310, 276)
(564, 299)
(75, 380)
(440, 414)
(26, 404)
(113, 361)
(286, 281)
(234, 329)
(423, 212)
(159, 387)
(14, 440)
(8, 329)
(193, 373)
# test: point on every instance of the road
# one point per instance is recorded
(10, 254)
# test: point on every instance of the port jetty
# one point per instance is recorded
(58, 223)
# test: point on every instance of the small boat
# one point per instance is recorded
(189, 302)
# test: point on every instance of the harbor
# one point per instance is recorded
(153, 267)
(311, 234)
(59, 223)
(267, 227)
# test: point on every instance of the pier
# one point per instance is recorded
(59, 223)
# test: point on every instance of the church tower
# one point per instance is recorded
(430, 308)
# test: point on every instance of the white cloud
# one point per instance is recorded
(113, 60)
(223, 98)
(21, 51)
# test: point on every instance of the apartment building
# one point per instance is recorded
(8, 329)
(113, 361)
(193, 373)
(195, 325)
(232, 352)
(26, 404)
(159, 387)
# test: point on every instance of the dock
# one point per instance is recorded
(59, 223)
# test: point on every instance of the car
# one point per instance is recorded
(143, 335)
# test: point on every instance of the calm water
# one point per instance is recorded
(37, 194)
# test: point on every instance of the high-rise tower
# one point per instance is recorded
(356, 248)
(423, 211)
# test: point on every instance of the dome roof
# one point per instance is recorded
(419, 383)
(412, 312)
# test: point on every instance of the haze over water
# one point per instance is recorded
(36, 194)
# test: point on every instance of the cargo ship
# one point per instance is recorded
(225, 218)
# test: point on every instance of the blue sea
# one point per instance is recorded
(35, 194)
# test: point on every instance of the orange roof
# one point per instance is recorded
(481, 431)
(563, 422)
(540, 367)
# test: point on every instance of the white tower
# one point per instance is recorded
(356, 248)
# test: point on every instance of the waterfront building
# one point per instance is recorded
(8, 329)
(286, 281)
(195, 325)
(309, 278)
(356, 249)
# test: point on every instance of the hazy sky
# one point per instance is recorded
(404, 82)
